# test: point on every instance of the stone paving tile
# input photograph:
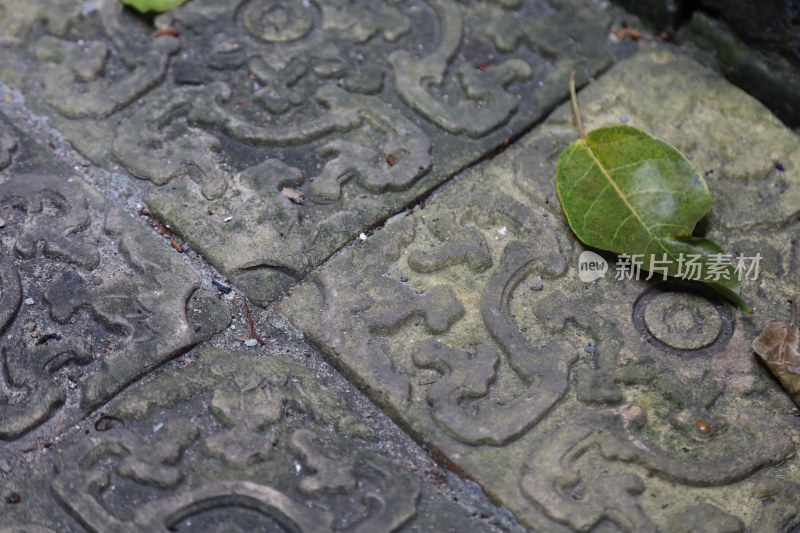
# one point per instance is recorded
(90, 301)
(616, 405)
(361, 107)
(235, 441)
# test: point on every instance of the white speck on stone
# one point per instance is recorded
(502, 231)
(227, 219)
(297, 467)
(250, 342)
(157, 427)
(29, 301)
(363, 236)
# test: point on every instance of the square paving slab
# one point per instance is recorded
(90, 300)
(235, 441)
(274, 132)
(613, 405)
(245, 439)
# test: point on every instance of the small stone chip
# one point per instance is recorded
(251, 342)
(29, 301)
(222, 287)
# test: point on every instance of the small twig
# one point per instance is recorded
(788, 329)
(251, 325)
(574, 97)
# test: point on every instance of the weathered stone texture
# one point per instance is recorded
(90, 301)
(621, 404)
(361, 107)
(236, 442)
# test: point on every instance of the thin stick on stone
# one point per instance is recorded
(574, 97)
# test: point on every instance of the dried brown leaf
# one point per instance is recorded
(294, 195)
(168, 30)
(629, 33)
(779, 347)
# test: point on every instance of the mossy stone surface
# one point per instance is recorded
(618, 403)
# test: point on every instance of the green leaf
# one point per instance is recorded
(158, 6)
(628, 192)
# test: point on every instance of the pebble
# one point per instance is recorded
(363, 236)
(403, 279)
(2, 223)
(589, 349)
(537, 287)
(97, 280)
(29, 301)
(251, 342)
(502, 231)
(222, 287)
(5, 467)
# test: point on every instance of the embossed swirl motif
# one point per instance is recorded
(353, 97)
(117, 331)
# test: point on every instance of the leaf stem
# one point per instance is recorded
(574, 97)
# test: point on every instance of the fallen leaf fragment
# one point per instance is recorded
(168, 30)
(779, 347)
(628, 192)
(157, 6)
(629, 33)
(294, 195)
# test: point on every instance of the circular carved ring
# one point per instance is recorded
(682, 319)
(277, 21)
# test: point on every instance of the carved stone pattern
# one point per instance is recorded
(344, 490)
(356, 97)
(148, 311)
